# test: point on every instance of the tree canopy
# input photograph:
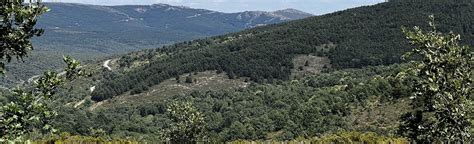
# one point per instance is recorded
(18, 20)
(28, 108)
(441, 89)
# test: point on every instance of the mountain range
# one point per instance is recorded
(88, 32)
(304, 78)
(322, 76)
(354, 38)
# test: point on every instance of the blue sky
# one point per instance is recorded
(312, 6)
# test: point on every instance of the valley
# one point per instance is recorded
(264, 70)
(400, 71)
(91, 32)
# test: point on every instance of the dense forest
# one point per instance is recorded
(352, 38)
(312, 106)
(367, 93)
(92, 32)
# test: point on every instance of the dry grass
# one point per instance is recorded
(202, 81)
(383, 116)
(315, 65)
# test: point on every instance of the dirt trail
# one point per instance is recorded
(106, 65)
(79, 103)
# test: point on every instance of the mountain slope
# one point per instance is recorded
(154, 23)
(351, 39)
(89, 31)
(146, 25)
(277, 105)
(352, 99)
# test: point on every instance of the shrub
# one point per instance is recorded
(341, 137)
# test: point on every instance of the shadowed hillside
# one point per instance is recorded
(353, 38)
(90, 32)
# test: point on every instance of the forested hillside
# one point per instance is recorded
(91, 32)
(336, 78)
(352, 38)
(353, 99)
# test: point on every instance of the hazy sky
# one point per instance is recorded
(311, 6)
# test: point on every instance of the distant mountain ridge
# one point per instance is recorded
(151, 24)
(158, 17)
(88, 32)
(247, 83)
(353, 38)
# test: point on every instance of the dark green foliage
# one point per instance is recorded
(178, 79)
(139, 90)
(189, 79)
(90, 32)
(297, 108)
(340, 137)
(187, 124)
(27, 108)
(3, 99)
(361, 37)
(30, 109)
(17, 23)
(67, 138)
(231, 75)
(310, 107)
(441, 89)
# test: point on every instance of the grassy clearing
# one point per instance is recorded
(382, 117)
(307, 65)
(202, 81)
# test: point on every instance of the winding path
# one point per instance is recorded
(106, 65)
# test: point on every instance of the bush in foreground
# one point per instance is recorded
(342, 137)
(67, 139)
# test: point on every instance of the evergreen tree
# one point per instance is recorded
(231, 75)
(189, 79)
(178, 79)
